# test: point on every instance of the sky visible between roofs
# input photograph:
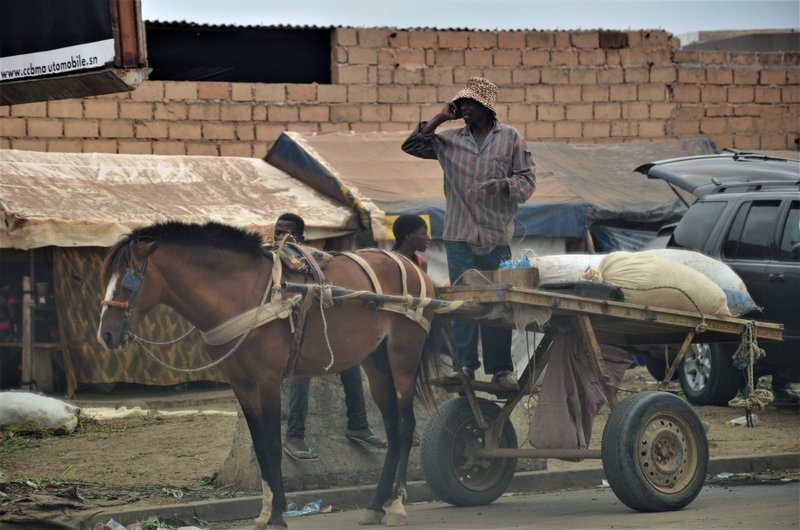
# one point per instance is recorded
(676, 16)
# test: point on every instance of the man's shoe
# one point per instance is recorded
(365, 437)
(297, 449)
(469, 372)
(506, 380)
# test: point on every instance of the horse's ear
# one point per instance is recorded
(144, 250)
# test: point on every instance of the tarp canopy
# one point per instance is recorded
(371, 166)
(91, 199)
(603, 175)
(577, 184)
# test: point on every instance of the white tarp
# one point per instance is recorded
(91, 199)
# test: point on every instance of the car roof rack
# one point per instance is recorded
(754, 185)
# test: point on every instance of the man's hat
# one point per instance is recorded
(481, 90)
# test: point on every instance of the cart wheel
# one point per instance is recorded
(454, 477)
(655, 452)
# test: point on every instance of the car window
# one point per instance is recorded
(758, 223)
(696, 225)
(790, 240)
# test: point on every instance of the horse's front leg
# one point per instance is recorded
(264, 422)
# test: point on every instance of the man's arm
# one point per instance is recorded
(420, 142)
(521, 184)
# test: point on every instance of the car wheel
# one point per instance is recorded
(658, 367)
(707, 375)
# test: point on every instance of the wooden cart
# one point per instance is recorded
(654, 448)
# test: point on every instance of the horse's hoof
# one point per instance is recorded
(396, 519)
(371, 517)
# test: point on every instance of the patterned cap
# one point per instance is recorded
(481, 90)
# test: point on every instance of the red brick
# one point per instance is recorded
(717, 110)
(169, 148)
(180, 90)
(721, 76)
(692, 75)
(686, 94)
(790, 94)
(742, 58)
(713, 57)
(773, 77)
(100, 108)
(213, 90)
(765, 94)
(687, 57)
(745, 77)
(65, 108)
(47, 128)
(741, 94)
(749, 110)
(236, 112)
(81, 128)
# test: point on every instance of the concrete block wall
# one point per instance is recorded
(583, 86)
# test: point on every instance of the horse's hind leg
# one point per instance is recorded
(263, 419)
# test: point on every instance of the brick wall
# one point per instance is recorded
(588, 86)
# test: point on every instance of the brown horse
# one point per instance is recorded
(212, 273)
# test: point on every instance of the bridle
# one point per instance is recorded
(131, 281)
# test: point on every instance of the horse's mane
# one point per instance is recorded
(212, 234)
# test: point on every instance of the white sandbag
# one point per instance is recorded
(561, 268)
(25, 408)
(648, 279)
(739, 300)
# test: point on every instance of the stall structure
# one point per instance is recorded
(60, 211)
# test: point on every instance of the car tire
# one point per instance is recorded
(657, 367)
(707, 375)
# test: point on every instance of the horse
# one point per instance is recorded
(212, 273)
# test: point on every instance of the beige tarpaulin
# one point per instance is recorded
(73, 199)
(81, 203)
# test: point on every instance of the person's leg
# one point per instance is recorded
(354, 399)
(298, 407)
(495, 342)
(465, 334)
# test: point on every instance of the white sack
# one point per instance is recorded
(561, 268)
(20, 408)
(651, 280)
(739, 300)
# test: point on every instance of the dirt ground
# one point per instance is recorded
(157, 460)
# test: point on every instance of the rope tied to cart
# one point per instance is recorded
(745, 359)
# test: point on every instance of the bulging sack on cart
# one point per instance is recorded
(651, 280)
(739, 300)
(563, 268)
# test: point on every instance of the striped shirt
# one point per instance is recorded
(471, 214)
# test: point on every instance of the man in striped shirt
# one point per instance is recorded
(488, 173)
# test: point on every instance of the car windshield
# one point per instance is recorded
(693, 230)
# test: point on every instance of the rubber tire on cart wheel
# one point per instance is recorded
(708, 376)
(443, 455)
(655, 452)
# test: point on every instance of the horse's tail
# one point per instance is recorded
(429, 362)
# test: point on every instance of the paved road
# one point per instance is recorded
(735, 505)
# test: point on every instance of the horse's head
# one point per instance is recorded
(129, 296)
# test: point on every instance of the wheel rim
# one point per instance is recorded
(667, 452)
(697, 366)
(474, 473)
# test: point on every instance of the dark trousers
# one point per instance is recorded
(495, 342)
(353, 399)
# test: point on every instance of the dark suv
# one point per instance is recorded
(747, 215)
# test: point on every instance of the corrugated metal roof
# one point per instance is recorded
(185, 24)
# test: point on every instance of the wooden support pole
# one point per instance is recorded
(27, 334)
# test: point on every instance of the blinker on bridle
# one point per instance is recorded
(131, 281)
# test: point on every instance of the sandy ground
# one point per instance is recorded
(164, 460)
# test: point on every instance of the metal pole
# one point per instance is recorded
(27, 335)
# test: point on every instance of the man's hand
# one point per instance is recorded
(449, 111)
(494, 186)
